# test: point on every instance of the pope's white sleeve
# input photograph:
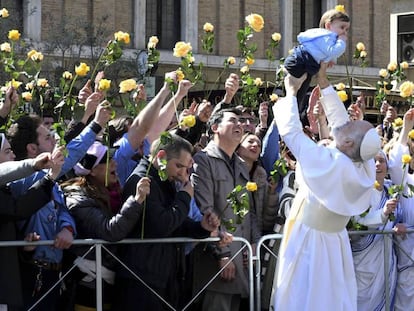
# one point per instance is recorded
(334, 108)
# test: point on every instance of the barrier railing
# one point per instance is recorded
(99, 244)
(386, 233)
(254, 279)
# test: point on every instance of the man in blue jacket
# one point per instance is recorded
(41, 266)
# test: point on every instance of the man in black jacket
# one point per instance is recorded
(165, 215)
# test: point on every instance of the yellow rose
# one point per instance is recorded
(231, 60)
(377, 185)
(397, 122)
(406, 158)
(5, 47)
(82, 69)
(392, 66)
(208, 27)
(249, 61)
(42, 82)
(121, 36)
(258, 82)
(127, 86)
(383, 73)
(15, 84)
(180, 74)
(404, 65)
(340, 86)
(251, 186)
(363, 54)
(152, 42)
(27, 96)
(37, 57)
(29, 86)
(255, 21)
(31, 53)
(67, 75)
(411, 134)
(360, 46)
(342, 95)
(181, 49)
(340, 8)
(276, 36)
(191, 59)
(188, 121)
(406, 89)
(14, 35)
(244, 69)
(104, 84)
(4, 13)
(273, 97)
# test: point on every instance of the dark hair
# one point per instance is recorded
(217, 117)
(173, 147)
(118, 127)
(96, 192)
(332, 15)
(23, 132)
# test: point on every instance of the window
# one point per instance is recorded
(163, 20)
(15, 19)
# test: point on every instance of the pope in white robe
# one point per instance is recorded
(315, 267)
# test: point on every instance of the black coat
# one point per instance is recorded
(95, 221)
(11, 210)
(166, 213)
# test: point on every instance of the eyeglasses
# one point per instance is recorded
(244, 120)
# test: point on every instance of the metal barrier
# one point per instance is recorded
(99, 244)
(254, 291)
(387, 234)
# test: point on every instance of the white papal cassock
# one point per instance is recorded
(315, 268)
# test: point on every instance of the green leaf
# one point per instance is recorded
(241, 35)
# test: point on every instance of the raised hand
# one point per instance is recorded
(183, 87)
(143, 189)
(293, 84)
(140, 95)
(10, 101)
(99, 76)
(57, 158)
(85, 92)
(355, 112)
(42, 161)
(103, 113)
(231, 86)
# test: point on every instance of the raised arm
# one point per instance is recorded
(167, 112)
(145, 120)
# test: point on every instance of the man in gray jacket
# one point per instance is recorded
(217, 171)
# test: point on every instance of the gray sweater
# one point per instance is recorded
(13, 170)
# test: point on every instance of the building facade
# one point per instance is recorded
(385, 27)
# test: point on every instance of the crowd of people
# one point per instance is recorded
(88, 189)
(155, 176)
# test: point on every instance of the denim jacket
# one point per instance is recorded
(54, 216)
